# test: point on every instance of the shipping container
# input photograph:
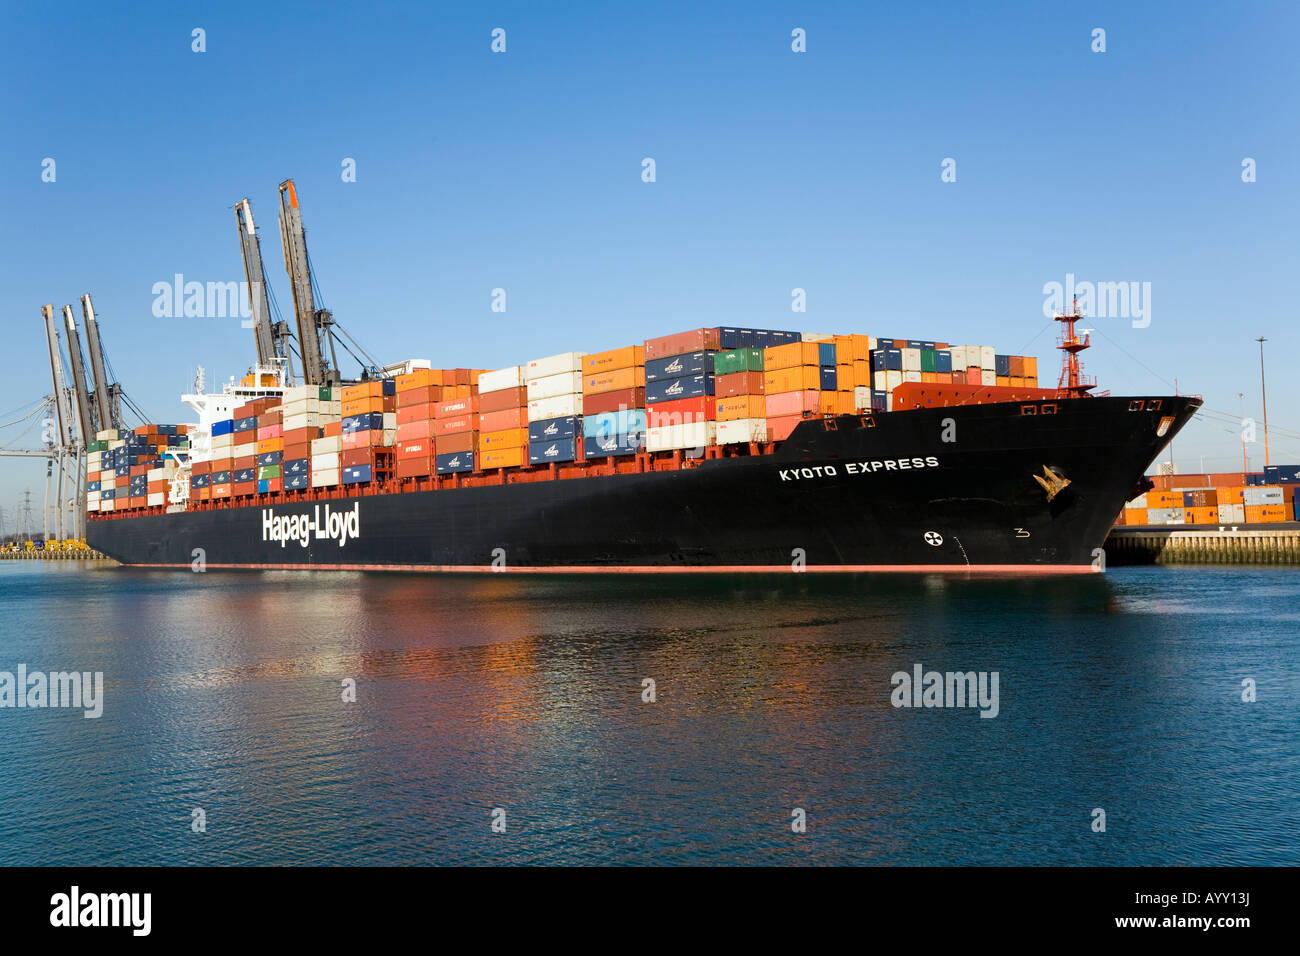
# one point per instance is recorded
(670, 367)
(739, 360)
(680, 412)
(596, 383)
(627, 357)
(503, 458)
(615, 423)
(505, 378)
(693, 437)
(669, 390)
(560, 406)
(454, 462)
(696, 340)
(615, 444)
(542, 452)
(738, 383)
(784, 404)
(551, 366)
(553, 429)
(743, 431)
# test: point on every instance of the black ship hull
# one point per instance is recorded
(950, 488)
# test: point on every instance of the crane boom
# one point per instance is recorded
(102, 407)
(62, 413)
(85, 421)
(272, 337)
(311, 322)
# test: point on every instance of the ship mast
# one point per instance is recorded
(1073, 384)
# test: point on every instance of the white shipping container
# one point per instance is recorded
(893, 379)
(303, 420)
(743, 431)
(106, 505)
(92, 506)
(324, 479)
(815, 337)
(323, 446)
(958, 353)
(157, 498)
(1139, 502)
(105, 484)
(911, 376)
(911, 360)
(988, 359)
(861, 399)
(689, 436)
(551, 365)
(243, 451)
(302, 406)
(1264, 495)
(561, 406)
(106, 434)
(329, 461)
(565, 383)
(988, 377)
(501, 379)
(390, 421)
(114, 445)
(92, 495)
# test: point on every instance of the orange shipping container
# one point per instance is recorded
(409, 431)
(332, 429)
(741, 406)
(503, 458)
(420, 448)
(456, 408)
(363, 406)
(415, 413)
(419, 396)
(738, 383)
(1016, 366)
(861, 375)
(1135, 515)
(628, 357)
(1203, 515)
(502, 399)
(506, 438)
(506, 418)
(1256, 514)
(611, 381)
(371, 438)
(458, 441)
(454, 425)
(269, 445)
(373, 389)
(796, 378)
(419, 378)
(791, 355)
(1031, 367)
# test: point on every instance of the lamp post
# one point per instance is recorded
(1264, 395)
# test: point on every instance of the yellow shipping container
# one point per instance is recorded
(1031, 367)
(504, 458)
(505, 438)
(791, 355)
(628, 357)
(419, 378)
(852, 348)
(269, 445)
(792, 379)
(741, 406)
(596, 383)
(861, 374)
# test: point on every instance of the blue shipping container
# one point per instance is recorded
(297, 466)
(356, 474)
(943, 362)
(679, 366)
(246, 424)
(270, 458)
(670, 390)
(1002, 365)
(224, 427)
(614, 423)
(221, 477)
(244, 475)
(263, 486)
(296, 482)
(553, 429)
(453, 462)
(615, 444)
(825, 353)
(92, 485)
(1282, 474)
(828, 378)
(199, 481)
(540, 453)
(370, 421)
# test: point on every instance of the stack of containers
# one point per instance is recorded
(270, 450)
(304, 411)
(222, 465)
(95, 452)
(134, 470)
(853, 372)
(554, 427)
(738, 388)
(455, 423)
(243, 480)
(369, 431)
(502, 406)
(792, 382)
(1219, 498)
(613, 402)
(681, 412)
(418, 393)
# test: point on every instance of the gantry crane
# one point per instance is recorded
(272, 335)
(314, 325)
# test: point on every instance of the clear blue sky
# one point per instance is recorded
(775, 170)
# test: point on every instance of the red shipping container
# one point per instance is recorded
(409, 431)
(274, 485)
(782, 426)
(458, 441)
(201, 468)
(415, 413)
(448, 426)
(364, 439)
(506, 418)
(222, 464)
(413, 467)
(419, 396)
(695, 340)
(293, 452)
(245, 461)
(420, 448)
(351, 457)
(738, 383)
(244, 488)
(792, 403)
(613, 401)
(300, 436)
(682, 411)
(457, 407)
(332, 429)
(502, 399)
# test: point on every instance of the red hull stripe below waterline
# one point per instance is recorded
(667, 569)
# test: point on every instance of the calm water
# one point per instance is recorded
(222, 692)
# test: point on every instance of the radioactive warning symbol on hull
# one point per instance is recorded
(933, 539)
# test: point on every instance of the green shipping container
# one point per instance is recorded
(927, 360)
(268, 471)
(97, 446)
(326, 394)
(738, 360)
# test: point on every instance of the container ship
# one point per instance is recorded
(712, 450)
